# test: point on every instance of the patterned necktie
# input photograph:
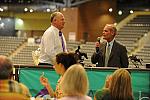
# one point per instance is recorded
(62, 41)
(107, 55)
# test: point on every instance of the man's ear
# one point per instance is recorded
(113, 33)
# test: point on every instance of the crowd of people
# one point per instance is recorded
(73, 83)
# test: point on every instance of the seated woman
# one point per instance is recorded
(75, 84)
(117, 87)
(63, 62)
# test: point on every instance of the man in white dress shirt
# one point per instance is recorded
(53, 41)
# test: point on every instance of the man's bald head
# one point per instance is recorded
(54, 15)
(58, 20)
(6, 67)
(109, 32)
(112, 27)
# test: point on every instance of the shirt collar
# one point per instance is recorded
(111, 43)
(55, 28)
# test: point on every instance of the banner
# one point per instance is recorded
(140, 80)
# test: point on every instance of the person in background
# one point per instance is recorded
(110, 53)
(75, 83)
(117, 87)
(53, 41)
(7, 84)
(63, 62)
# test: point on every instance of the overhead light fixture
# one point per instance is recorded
(110, 9)
(31, 10)
(119, 12)
(25, 9)
(2, 25)
(48, 10)
(115, 24)
(131, 11)
(1, 9)
(146, 9)
(19, 21)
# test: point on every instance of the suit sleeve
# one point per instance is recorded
(124, 58)
(95, 57)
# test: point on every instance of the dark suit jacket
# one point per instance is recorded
(118, 56)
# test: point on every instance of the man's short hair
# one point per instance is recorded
(53, 15)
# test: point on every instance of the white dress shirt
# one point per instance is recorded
(51, 45)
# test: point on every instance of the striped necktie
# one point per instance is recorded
(62, 41)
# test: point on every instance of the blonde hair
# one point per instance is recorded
(75, 81)
(120, 87)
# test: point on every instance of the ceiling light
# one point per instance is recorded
(19, 21)
(31, 10)
(1, 9)
(25, 9)
(131, 11)
(110, 9)
(2, 25)
(48, 10)
(119, 12)
(115, 24)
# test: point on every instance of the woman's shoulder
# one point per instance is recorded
(87, 98)
(76, 98)
(102, 93)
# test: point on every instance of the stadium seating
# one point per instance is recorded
(10, 44)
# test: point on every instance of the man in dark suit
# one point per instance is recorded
(110, 53)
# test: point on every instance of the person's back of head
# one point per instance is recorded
(67, 59)
(75, 81)
(6, 68)
(10, 89)
(120, 87)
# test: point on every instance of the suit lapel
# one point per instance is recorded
(113, 50)
(103, 48)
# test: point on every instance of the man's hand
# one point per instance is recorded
(97, 45)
